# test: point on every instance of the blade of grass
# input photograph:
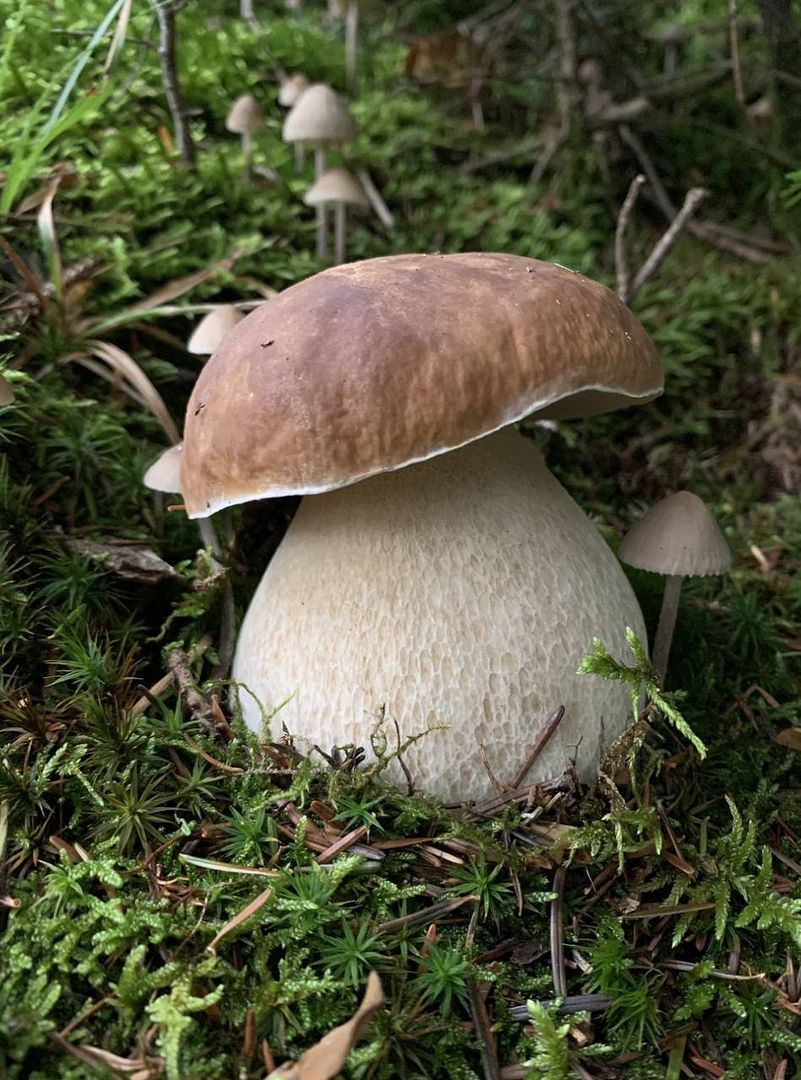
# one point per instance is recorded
(46, 225)
(123, 368)
(80, 64)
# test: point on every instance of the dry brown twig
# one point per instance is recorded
(623, 219)
(547, 730)
(627, 288)
(166, 14)
(557, 934)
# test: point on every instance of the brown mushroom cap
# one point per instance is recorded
(678, 536)
(318, 116)
(373, 365)
(212, 328)
(336, 186)
(165, 472)
(245, 116)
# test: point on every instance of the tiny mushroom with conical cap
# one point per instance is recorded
(679, 538)
(245, 118)
(212, 328)
(338, 188)
(290, 88)
(165, 472)
(438, 574)
(319, 119)
(164, 475)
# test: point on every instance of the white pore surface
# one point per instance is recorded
(462, 591)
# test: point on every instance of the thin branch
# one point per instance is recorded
(557, 934)
(483, 1025)
(621, 262)
(691, 201)
(546, 731)
(734, 49)
(169, 72)
(179, 663)
(709, 232)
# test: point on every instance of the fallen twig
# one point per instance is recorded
(557, 934)
(427, 915)
(691, 201)
(576, 1003)
(621, 262)
(239, 918)
(547, 730)
(180, 664)
(169, 72)
(483, 1026)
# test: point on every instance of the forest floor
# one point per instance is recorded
(179, 899)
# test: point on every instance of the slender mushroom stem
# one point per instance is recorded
(340, 226)
(300, 157)
(247, 152)
(322, 216)
(351, 33)
(667, 622)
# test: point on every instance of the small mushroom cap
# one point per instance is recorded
(291, 88)
(212, 328)
(374, 365)
(336, 186)
(6, 391)
(678, 536)
(318, 116)
(165, 472)
(245, 116)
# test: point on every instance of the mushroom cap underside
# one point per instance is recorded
(371, 366)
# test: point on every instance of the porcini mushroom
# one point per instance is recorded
(212, 328)
(245, 118)
(679, 538)
(456, 583)
(340, 189)
(319, 119)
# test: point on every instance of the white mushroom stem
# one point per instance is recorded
(351, 38)
(667, 624)
(340, 232)
(321, 247)
(461, 591)
(247, 151)
(300, 157)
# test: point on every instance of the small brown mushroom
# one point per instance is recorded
(679, 538)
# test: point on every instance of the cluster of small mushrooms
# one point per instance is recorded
(436, 575)
(318, 120)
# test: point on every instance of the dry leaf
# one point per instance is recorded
(239, 918)
(328, 1056)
